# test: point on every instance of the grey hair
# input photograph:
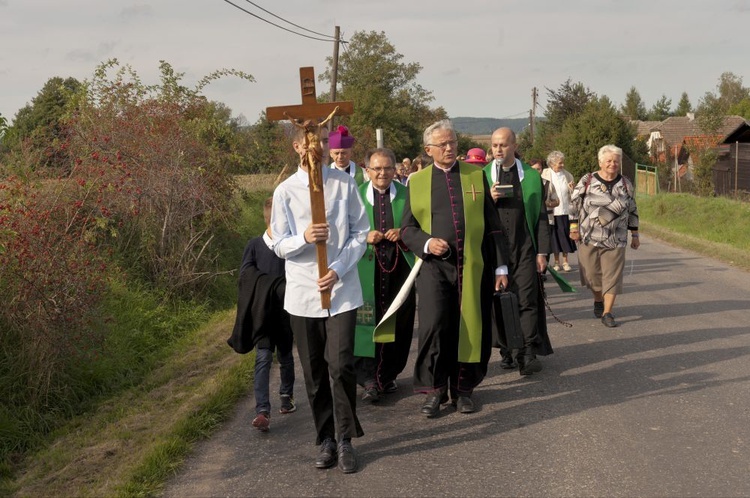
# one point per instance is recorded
(380, 151)
(608, 149)
(555, 157)
(443, 124)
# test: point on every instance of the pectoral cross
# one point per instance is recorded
(473, 192)
(308, 116)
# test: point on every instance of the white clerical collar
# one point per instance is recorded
(371, 196)
(495, 167)
(352, 168)
(444, 169)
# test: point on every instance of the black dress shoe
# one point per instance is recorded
(464, 405)
(432, 403)
(327, 456)
(529, 364)
(390, 387)
(371, 394)
(508, 363)
(347, 458)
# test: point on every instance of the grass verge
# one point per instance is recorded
(716, 227)
(135, 441)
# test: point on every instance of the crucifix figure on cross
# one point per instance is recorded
(312, 159)
(312, 117)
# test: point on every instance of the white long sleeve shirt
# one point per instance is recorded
(347, 241)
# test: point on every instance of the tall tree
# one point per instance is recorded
(597, 125)
(634, 108)
(741, 108)
(661, 109)
(710, 113)
(683, 106)
(385, 92)
(41, 121)
(567, 101)
(268, 147)
(731, 90)
(3, 128)
(710, 116)
(564, 103)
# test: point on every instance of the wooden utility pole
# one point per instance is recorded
(532, 114)
(309, 114)
(335, 66)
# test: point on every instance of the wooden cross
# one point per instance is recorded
(308, 116)
(473, 192)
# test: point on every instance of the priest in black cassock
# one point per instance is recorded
(382, 271)
(518, 196)
(451, 224)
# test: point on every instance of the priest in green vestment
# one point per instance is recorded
(451, 224)
(517, 193)
(382, 271)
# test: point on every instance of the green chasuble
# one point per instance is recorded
(364, 339)
(472, 186)
(531, 189)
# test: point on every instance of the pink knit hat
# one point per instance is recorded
(340, 139)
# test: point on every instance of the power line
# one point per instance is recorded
(518, 114)
(288, 22)
(276, 25)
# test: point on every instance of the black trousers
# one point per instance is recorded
(437, 366)
(326, 352)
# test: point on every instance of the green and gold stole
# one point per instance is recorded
(472, 186)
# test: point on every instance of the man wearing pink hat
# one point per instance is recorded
(340, 144)
(476, 156)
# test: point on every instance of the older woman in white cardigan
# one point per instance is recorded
(563, 182)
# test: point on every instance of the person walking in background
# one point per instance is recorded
(403, 170)
(563, 183)
(340, 143)
(382, 271)
(263, 324)
(518, 197)
(452, 226)
(550, 201)
(325, 337)
(603, 210)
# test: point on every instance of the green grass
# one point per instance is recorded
(132, 442)
(717, 227)
(145, 341)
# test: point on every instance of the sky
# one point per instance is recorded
(479, 58)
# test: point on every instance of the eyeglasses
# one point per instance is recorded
(382, 170)
(444, 145)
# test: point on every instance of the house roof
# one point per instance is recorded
(739, 134)
(644, 128)
(675, 129)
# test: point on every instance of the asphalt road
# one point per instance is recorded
(659, 406)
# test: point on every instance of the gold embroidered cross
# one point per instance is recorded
(473, 192)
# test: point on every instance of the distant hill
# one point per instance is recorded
(485, 126)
